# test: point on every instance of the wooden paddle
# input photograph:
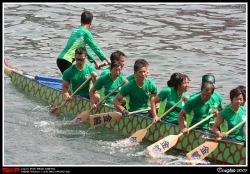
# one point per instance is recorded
(139, 135)
(57, 109)
(203, 150)
(104, 64)
(168, 142)
(85, 114)
(104, 118)
(221, 141)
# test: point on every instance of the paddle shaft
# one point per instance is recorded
(111, 93)
(210, 145)
(235, 127)
(222, 141)
(102, 65)
(165, 113)
(86, 81)
(205, 119)
(81, 115)
(115, 116)
(135, 112)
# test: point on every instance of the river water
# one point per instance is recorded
(194, 39)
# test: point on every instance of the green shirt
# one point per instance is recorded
(234, 118)
(170, 97)
(80, 37)
(107, 84)
(138, 96)
(77, 77)
(131, 77)
(200, 110)
(217, 102)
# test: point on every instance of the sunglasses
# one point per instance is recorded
(79, 59)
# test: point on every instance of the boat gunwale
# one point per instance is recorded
(33, 78)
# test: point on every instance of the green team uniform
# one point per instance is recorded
(104, 72)
(77, 77)
(108, 71)
(170, 97)
(138, 96)
(131, 77)
(200, 110)
(107, 85)
(217, 102)
(233, 118)
(80, 37)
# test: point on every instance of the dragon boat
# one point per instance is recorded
(50, 89)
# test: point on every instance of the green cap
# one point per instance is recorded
(208, 78)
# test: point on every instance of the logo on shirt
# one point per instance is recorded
(76, 30)
(148, 93)
(216, 105)
(243, 117)
(210, 110)
(87, 76)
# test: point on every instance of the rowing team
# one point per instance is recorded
(137, 92)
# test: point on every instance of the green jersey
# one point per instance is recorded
(233, 118)
(80, 37)
(138, 96)
(107, 85)
(77, 77)
(131, 77)
(200, 110)
(170, 97)
(217, 102)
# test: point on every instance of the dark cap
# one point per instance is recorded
(208, 78)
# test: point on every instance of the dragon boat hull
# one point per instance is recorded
(50, 90)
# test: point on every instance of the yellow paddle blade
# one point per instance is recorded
(200, 152)
(103, 118)
(163, 145)
(55, 110)
(136, 137)
(203, 150)
(80, 118)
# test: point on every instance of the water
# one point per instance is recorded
(194, 39)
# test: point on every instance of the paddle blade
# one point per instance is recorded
(200, 152)
(103, 118)
(55, 110)
(163, 145)
(80, 118)
(136, 137)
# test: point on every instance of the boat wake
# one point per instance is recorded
(74, 122)
(124, 143)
